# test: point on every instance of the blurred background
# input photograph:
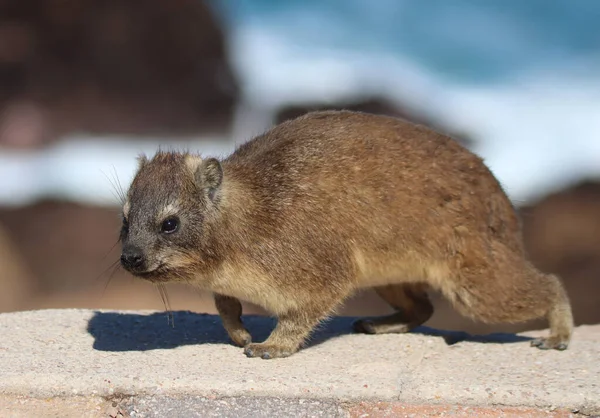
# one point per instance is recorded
(85, 86)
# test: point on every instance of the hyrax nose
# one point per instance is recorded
(132, 258)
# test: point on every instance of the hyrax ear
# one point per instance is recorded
(209, 176)
(142, 161)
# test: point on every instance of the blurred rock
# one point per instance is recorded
(563, 229)
(16, 281)
(111, 67)
(63, 243)
(375, 105)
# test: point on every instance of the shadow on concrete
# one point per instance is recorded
(114, 331)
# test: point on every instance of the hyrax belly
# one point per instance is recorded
(383, 269)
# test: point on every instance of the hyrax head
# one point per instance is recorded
(170, 210)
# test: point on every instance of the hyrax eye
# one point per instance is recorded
(169, 225)
(125, 223)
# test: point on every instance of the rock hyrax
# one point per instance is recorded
(302, 216)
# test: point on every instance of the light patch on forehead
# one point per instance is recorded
(192, 162)
(126, 208)
(171, 209)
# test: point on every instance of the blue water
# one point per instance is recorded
(469, 41)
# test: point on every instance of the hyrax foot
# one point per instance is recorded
(381, 325)
(364, 326)
(549, 343)
(267, 351)
(240, 336)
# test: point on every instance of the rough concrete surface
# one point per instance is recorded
(107, 363)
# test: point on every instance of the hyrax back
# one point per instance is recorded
(299, 218)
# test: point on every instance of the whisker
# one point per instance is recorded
(162, 291)
(112, 265)
(115, 190)
(120, 189)
(184, 277)
(111, 249)
(110, 277)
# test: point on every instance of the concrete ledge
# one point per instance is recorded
(136, 361)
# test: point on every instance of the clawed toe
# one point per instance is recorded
(266, 351)
(549, 343)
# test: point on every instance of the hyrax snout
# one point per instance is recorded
(299, 218)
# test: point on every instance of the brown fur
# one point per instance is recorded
(299, 218)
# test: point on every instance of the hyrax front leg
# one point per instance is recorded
(290, 333)
(230, 310)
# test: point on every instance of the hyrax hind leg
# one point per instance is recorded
(510, 290)
(412, 305)
(560, 319)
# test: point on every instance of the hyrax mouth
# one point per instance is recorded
(159, 274)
